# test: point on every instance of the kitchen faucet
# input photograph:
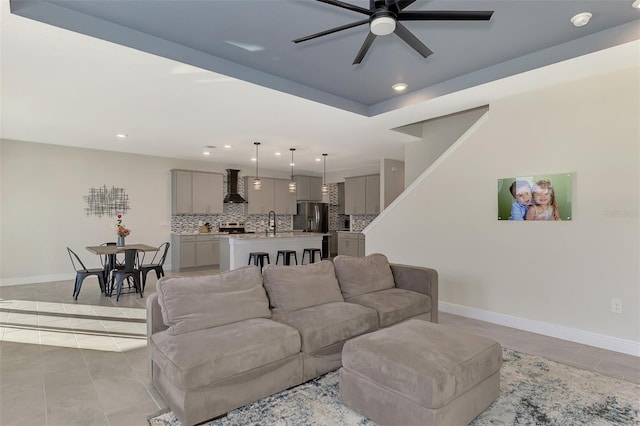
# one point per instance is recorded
(274, 221)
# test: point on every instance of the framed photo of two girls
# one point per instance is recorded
(538, 197)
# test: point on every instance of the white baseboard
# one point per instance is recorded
(579, 336)
(47, 278)
(37, 279)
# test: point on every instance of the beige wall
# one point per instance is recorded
(437, 135)
(557, 278)
(42, 210)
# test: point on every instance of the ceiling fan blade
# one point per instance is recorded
(365, 48)
(331, 31)
(401, 4)
(348, 6)
(446, 15)
(412, 40)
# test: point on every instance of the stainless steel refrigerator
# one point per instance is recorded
(313, 217)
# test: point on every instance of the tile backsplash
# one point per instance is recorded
(187, 224)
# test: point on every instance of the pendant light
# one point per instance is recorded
(257, 183)
(325, 187)
(292, 183)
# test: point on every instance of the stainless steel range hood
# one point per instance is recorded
(232, 188)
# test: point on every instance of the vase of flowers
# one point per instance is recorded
(121, 230)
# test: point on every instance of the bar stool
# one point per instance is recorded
(286, 256)
(258, 258)
(312, 254)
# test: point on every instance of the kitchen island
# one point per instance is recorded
(235, 248)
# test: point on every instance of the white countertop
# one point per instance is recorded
(262, 235)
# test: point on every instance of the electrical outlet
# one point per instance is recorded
(616, 306)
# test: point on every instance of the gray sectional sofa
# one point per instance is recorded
(219, 342)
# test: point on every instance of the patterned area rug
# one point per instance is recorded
(533, 391)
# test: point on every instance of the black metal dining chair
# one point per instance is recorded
(130, 270)
(156, 264)
(83, 272)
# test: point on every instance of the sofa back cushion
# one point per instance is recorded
(295, 287)
(360, 275)
(196, 303)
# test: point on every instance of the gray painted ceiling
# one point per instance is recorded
(78, 72)
(251, 40)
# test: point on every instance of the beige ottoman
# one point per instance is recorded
(420, 373)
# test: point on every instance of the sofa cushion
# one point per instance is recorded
(324, 325)
(394, 305)
(196, 303)
(196, 359)
(360, 275)
(301, 286)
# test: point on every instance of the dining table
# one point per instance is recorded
(111, 251)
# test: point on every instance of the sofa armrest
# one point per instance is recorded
(155, 323)
(418, 279)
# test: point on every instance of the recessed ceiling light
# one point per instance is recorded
(399, 87)
(636, 4)
(253, 159)
(317, 159)
(278, 154)
(581, 19)
(121, 135)
(206, 153)
(227, 146)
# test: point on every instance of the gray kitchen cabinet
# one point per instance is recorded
(194, 251)
(362, 195)
(372, 199)
(207, 193)
(351, 244)
(181, 192)
(207, 250)
(260, 201)
(308, 188)
(196, 192)
(341, 198)
(355, 195)
(183, 252)
(283, 200)
(273, 195)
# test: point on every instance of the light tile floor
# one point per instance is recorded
(66, 362)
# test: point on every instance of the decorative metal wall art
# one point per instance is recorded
(105, 201)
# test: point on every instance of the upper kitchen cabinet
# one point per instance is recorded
(355, 195)
(284, 201)
(273, 195)
(196, 192)
(309, 188)
(372, 201)
(340, 198)
(362, 195)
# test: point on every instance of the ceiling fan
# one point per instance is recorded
(384, 17)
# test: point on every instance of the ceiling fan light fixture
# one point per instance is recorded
(581, 19)
(383, 25)
(636, 4)
(399, 87)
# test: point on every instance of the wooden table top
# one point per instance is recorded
(115, 249)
